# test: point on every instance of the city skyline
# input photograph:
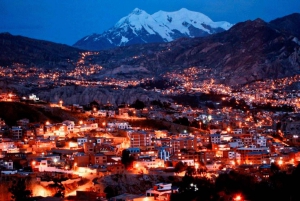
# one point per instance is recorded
(67, 22)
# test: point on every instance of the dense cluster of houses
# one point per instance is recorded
(45, 147)
(95, 144)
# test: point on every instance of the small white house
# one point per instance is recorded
(81, 141)
(70, 125)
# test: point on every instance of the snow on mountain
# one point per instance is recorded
(140, 27)
(181, 20)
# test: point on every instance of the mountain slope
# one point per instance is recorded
(249, 51)
(289, 24)
(27, 51)
(139, 27)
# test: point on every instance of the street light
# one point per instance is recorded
(238, 198)
(94, 109)
(196, 166)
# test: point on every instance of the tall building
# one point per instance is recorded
(140, 139)
(16, 132)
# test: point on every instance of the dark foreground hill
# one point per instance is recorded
(38, 53)
(14, 111)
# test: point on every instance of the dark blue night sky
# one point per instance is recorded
(66, 21)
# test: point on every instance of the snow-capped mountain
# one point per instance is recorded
(139, 27)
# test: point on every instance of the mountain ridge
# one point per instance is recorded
(24, 50)
(249, 51)
(139, 27)
(289, 23)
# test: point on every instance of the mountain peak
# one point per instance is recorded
(137, 11)
(140, 27)
(184, 10)
(259, 20)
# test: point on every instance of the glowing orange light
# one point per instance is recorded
(238, 198)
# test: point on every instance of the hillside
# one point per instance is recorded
(13, 111)
(38, 53)
(249, 51)
(289, 24)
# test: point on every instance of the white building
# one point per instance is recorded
(7, 164)
(44, 166)
(70, 125)
(164, 154)
(88, 127)
(161, 191)
(237, 131)
(236, 144)
(16, 132)
(6, 144)
(119, 125)
(253, 148)
(81, 141)
(33, 97)
(104, 113)
(149, 163)
(225, 137)
(215, 138)
(261, 141)
(231, 155)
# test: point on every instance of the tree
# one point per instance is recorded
(190, 171)
(274, 168)
(138, 104)
(168, 164)
(19, 191)
(157, 103)
(126, 158)
(110, 192)
(58, 186)
(179, 167)
(183, 121)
